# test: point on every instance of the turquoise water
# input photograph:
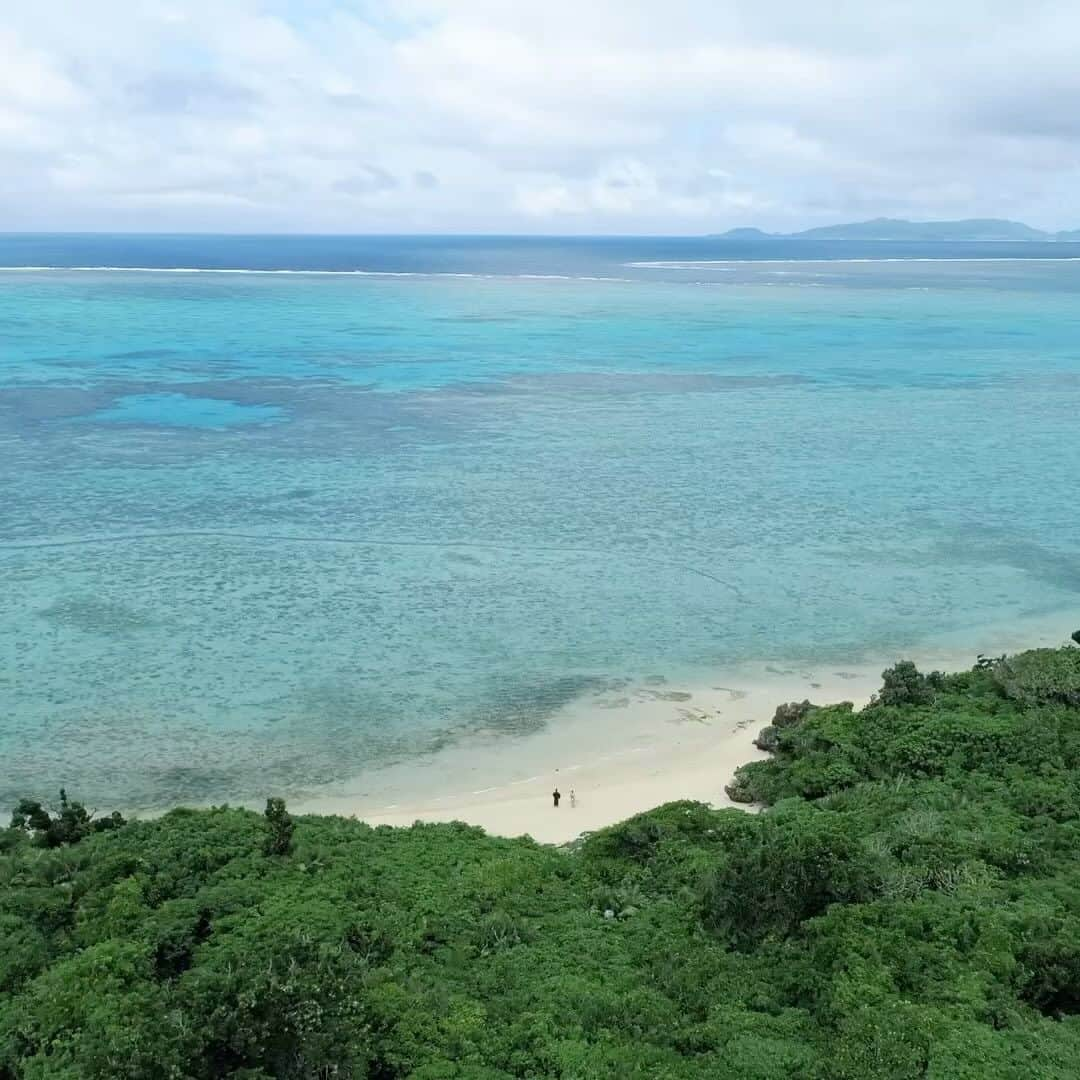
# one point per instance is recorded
(264, 531)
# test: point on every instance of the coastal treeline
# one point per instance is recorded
(908, 905)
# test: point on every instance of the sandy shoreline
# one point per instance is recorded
(660, 751)
(656, 750)
(627, 750)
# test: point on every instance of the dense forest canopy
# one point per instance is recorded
(907, 906)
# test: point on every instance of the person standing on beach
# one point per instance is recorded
(573, 798)
(555, 797)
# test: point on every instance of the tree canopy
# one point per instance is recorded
(907, 905)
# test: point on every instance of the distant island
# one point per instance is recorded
(977, 229)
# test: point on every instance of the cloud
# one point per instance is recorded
(174, 93)
(458, 115)
(366, 180)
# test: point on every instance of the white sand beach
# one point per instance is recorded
(624, 751)
(664, 743)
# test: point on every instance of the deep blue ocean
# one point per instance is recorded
(276, 510)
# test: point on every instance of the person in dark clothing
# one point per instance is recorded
(555, 797)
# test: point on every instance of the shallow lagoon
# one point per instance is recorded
(270, 530)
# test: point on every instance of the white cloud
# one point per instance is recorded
(615, 115)
(548, 201)
(29, 78)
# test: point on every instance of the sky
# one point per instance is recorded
(534, 116)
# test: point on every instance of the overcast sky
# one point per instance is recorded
(556, 116)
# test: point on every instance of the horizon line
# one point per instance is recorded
(1049, 239)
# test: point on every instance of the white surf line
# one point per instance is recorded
(704, 264)
(234, 270)
(307, 272)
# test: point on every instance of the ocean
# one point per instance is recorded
(276, 511)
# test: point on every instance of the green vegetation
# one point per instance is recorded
(279, 828)
(70, 824)
(908, 906)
